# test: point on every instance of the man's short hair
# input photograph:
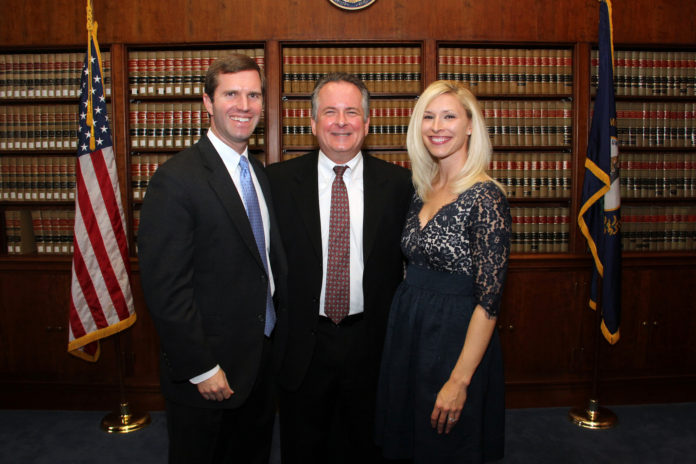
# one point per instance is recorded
(230, 64)
(341, 77)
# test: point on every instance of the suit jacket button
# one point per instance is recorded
(261, 318)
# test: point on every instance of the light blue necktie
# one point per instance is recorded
(251, 203)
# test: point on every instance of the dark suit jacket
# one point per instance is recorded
(202, 275)
(387, 195)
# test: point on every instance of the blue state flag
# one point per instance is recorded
(599, 218)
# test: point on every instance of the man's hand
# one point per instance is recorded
(215, 388)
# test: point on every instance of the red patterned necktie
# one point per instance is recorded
(337, 296)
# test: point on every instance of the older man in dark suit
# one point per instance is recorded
(211, 261)
(341, 214)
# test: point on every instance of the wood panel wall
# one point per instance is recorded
(62, 22)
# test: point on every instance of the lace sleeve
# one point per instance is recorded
(489, 231)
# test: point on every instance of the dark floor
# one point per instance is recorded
(644, 434)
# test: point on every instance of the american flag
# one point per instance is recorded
(101, 299)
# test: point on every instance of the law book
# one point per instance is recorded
(11, 177)
(3, 128)
(136, 175)
(13, 128)
(690, 175)
(3, 75)
(12, 231)
(151, 125)
(55, 231)
(516, 230)
(49, 232)
(529, 230)
(4, 175)
(142, 124)
(176, 125)
(304, 124)
(186, 78)
(168, 125)
(159, 125)
(296, 69)
(529, 123)
(146, 171)
(482, 57)
(505, 168)
(414, 68)
(29, 75)
(534, 77)
(65, 219)
(48, 74)
(198, 61)
(512, 123)
(23, 178)
(445, 63)
(148, 73)
(196, 123)
(24, 233)
(31, 176)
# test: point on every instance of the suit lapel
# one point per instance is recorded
(306, 195)
(223, 186)
(374, 184)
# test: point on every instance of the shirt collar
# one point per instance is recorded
(227, 153)
(326, 165)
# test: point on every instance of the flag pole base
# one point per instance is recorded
(124, 421)
(592, 417)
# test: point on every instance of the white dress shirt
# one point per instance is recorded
(353, 178)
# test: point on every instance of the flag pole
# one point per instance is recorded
(124, 420)
(593, 416)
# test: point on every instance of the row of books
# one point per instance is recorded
(388, 123)
(39, 127)
(523, 175)
(651, 72)
(42, 231)
(144, 165)
(399, 158)
(539, 229)
(37, 178)
(658, 175)
(176, 72)
(510, 123)
(533, 175)
(173, 125)
(509, 71)
(529, 123)
(46, 75)
(656, 124)
(658, 228)
(383, 69)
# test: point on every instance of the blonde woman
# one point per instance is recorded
(441, 395)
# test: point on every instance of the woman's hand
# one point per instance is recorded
(448, 406)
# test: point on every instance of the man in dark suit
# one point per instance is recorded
(210, 259)
(330, 367)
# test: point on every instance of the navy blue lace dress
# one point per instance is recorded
(456, 261)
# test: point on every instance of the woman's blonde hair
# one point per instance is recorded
(424, 168)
